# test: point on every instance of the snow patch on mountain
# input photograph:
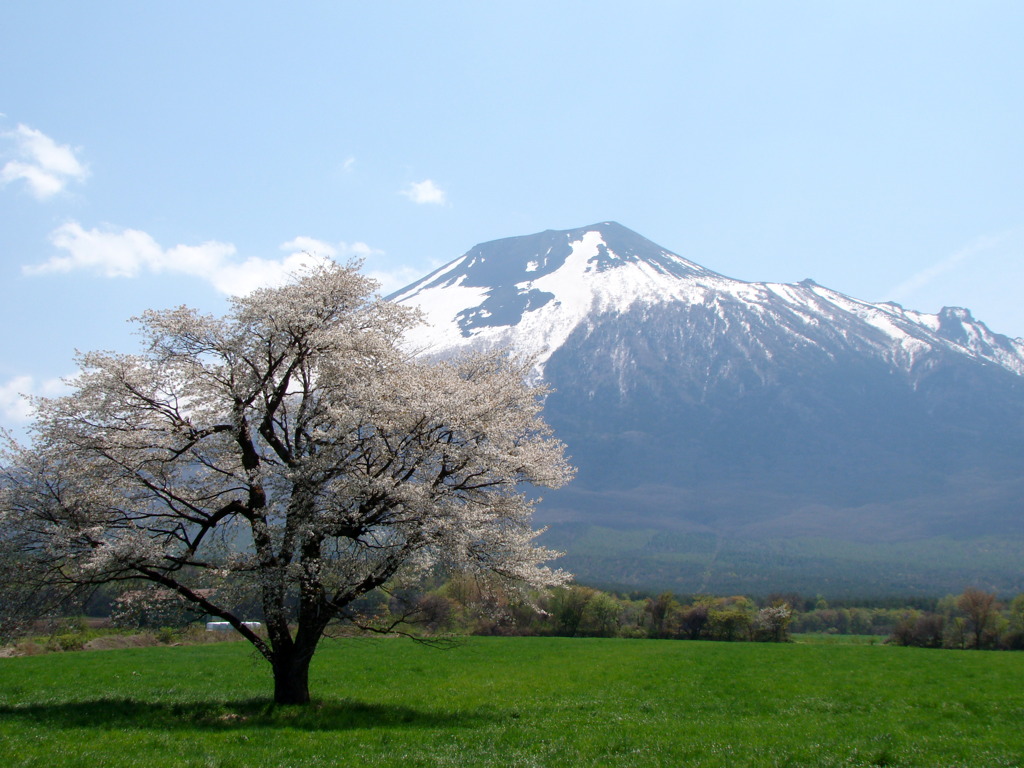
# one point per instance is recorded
(529, 294)
(583, 284)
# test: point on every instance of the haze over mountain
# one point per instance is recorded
(743, 436)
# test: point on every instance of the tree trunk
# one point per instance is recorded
(291, 677)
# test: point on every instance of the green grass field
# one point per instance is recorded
(520, 702)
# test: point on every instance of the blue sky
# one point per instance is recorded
(157, 154)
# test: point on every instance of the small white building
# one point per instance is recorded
(224, 626)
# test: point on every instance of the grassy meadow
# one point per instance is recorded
(520, 702)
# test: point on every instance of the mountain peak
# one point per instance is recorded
(529, 293)
(527, 258)
(547, 282)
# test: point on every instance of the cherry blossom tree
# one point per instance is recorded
(291, 451)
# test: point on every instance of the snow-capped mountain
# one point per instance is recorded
(702, 405)
(530, 293)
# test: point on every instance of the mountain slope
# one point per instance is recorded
(530, 292)
(748, 412)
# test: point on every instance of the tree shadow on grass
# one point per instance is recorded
(237, 715)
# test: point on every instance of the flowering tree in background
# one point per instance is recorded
(772, 622)
(291, 452)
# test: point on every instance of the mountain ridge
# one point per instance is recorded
(760, 414)
(493, 294)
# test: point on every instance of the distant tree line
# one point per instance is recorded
(465, 605)
(468, 605)
(974, 619)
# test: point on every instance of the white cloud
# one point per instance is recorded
(47, 167)
(390, 279)
(15, 405)
(108, 253)
(425, 192)
(921, 278)
(310, 245)
(128, 253)
(349, 164)
(244, 277)
(131, 253)
(313, 247)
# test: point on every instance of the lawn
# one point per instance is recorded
(520, 702)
